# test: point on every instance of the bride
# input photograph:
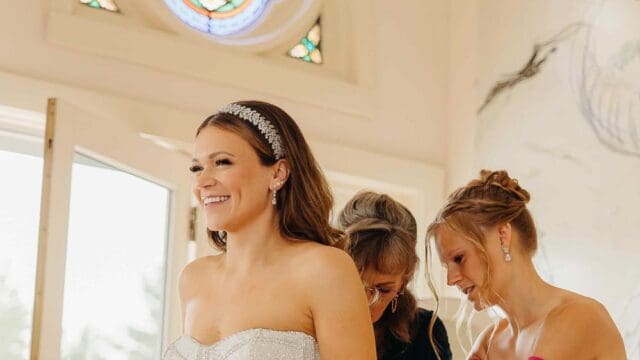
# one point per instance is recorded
(279, 289)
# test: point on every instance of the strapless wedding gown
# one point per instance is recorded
(251, 344)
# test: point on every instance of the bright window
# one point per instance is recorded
(20, 187)
(114, 276)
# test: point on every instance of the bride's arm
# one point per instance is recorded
(189, 282)
(339, 307)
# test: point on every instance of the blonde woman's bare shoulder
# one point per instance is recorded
(579, 320)
(576, 308)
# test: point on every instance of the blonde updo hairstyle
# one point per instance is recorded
(492, 199)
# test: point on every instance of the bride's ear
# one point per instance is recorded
(282, 170)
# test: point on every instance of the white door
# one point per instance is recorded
(113, 236)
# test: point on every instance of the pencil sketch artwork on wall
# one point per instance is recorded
(606, 60)
(540, 54)
(607, 81)
(565, 120)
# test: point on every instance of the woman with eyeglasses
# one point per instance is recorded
(381, 238)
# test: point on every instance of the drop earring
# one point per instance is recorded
(274, 199)
(507, 255)
(394, 304)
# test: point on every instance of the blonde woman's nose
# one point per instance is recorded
(453, 276)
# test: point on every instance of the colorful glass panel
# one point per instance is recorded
(102, 4)
(218, 17)
(308, 49)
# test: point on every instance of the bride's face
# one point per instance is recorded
(229, 180)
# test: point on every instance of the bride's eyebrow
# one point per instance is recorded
(214, 154)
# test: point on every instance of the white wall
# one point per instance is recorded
(582, 168)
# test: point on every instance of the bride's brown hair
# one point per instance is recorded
(304, 202)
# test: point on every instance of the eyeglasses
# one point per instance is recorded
(375, 294)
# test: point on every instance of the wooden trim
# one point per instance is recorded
(36, 330)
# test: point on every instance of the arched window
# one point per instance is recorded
(218, 17)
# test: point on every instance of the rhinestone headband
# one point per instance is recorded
(266, 128)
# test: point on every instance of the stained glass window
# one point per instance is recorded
(102, 4)
(308, 49)
(218, 17)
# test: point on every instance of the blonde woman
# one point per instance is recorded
(485, 237)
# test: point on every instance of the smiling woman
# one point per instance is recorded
(299, 179)
(280, 289)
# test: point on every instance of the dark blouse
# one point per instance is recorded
(420, 347)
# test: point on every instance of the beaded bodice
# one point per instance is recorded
(247, 345)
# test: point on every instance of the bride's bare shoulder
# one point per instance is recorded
(322, 259)
(324, 267)
(191, 276)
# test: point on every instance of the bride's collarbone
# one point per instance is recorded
(259, 307)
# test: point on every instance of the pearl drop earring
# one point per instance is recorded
(507, 255)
